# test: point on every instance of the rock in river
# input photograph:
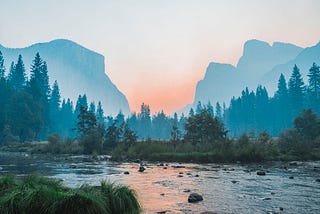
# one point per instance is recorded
(141, 168)
(261, 173)
(194, 197)
(126, 173)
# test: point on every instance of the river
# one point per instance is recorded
(226, 188)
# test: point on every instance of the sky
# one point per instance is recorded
(157, 50)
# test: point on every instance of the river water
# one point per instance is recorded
(226, 188)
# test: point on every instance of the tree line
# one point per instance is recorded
(32, 110)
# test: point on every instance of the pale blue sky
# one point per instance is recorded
(156, 50)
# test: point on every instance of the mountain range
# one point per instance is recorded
(77, 69)
(260, 64)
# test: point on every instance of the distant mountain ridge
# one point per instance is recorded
(260, 63)
(77, 69)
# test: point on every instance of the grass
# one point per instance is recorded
(36, 194)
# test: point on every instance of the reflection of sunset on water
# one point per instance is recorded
(161, 189)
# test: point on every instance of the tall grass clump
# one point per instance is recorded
(36, 194)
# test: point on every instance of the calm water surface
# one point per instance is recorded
(226, 188)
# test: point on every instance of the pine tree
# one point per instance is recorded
(144, 119)
(296, 92)
(199, 108)
(210, 109)
(218, 110)
(55, 101)
(2, 68)
(191, 112)
(175, 132)
(17, 75)
(100, 114)
(92, 108)
(39, 88)
(281, 106)
(67, 123)
(314, 88)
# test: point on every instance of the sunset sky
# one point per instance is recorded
(156, 50)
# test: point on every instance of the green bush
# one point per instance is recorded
(36, 194)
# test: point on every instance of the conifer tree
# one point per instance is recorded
(100, 114)
(314, 88)
(55, 101)
(296, 92)
(92, 108)
(2, 68)
(218, 110)
(17, 75)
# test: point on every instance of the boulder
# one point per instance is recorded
(261, 173)
(141, 168)
(291, 177)
(194, 197)
(126, 173)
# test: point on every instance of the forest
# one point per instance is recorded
(33, 111)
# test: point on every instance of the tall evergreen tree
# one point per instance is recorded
(314, 88)
(92, 107)
(210, 109)
(2, 68)
(67, 123)
(100, 114)
(144, 118)
(55, 111)
(39, 88)
(17, 75)
(281, 106)
(199, 108)
(296, 92)
(218, 110)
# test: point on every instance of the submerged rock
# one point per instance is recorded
(194, 197)
(178, 166)
(126, 173)
(208, 212)
(291, 177)
(73, 166)
(261, 173)
(293, 164)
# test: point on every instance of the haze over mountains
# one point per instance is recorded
(78, 70)
(260, 63)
